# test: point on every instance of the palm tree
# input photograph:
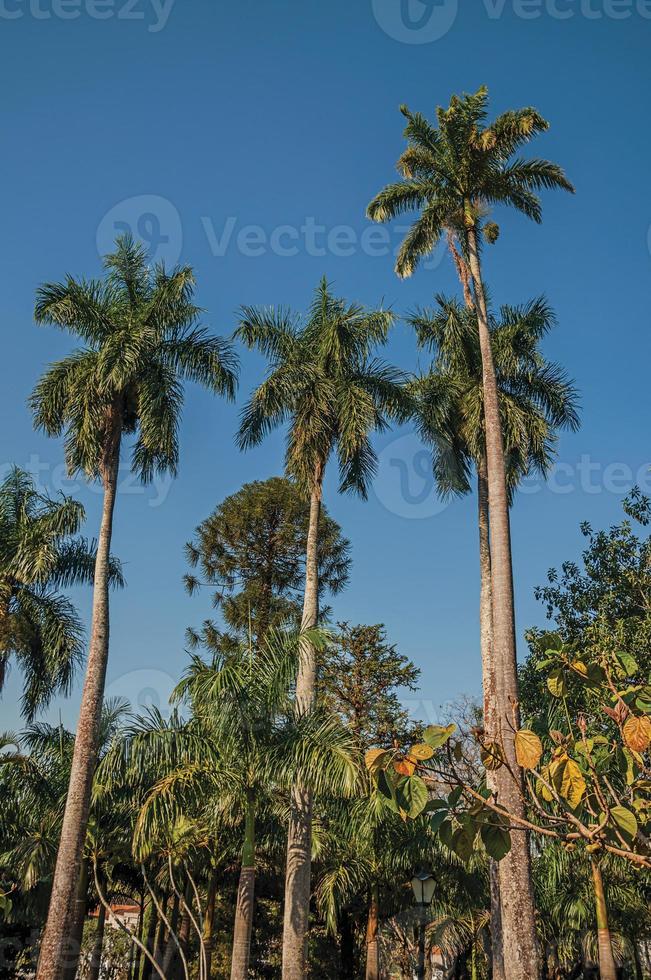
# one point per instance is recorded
(454, 173)
(141, 337)
(40, 553)
(536, 400)
(323, 381)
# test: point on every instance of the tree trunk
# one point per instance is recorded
(159, 942)
(346, 947)
(299, 836)
(96, 955)
(75, 819)
(491, 726)
(607, 968)
(171, 947)
(178, 971)
(137, 954)
(152, 922)
(209, 922)
(372, 941)
(245, 899)
(77, 919)
(521, 957)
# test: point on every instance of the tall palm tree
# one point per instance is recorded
(139, 328)
(324, 381)
(454, 172)
(536, 400)
(41, 552)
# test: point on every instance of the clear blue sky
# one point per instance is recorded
(191, 123)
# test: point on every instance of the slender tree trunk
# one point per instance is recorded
(245, 899)
(178, 971)
(159, 942)
(137, 956)
(96, 955)
(75, 819)
(372, 940)
(170, 944)
(77, 919)
(520, 946)
(491, 725)
(150, 938)
(209, 923)
(299, 836)
(607, 968)
(346, 947)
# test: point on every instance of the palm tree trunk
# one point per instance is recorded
(372, 942)
(346, 947)
(96, 955)
(171, 946)
(245, 899)
(209, 922)
(137, 955)
(75, 819)
(152, 922)
(607, 968)
(299, 836)
(77, 920)
(521, 957)
(490, 704)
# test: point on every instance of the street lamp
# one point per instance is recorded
(422, 885)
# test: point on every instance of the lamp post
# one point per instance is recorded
(422, 885)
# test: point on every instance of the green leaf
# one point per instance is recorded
(455, 796)
(497, 841)
(411, 795)
(437, 819)
(445, 833)
(437, 735)
(625, 820)
(556, 682)
(463, 842)
(628, 662)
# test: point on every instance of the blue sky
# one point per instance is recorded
(246, 139)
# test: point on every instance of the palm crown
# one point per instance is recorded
(325, 382)
(536, 397)
(142, 337)
(455, 172)
(40, 553)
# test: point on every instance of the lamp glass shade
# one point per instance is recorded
(423, 887)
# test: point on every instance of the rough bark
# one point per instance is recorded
(520, 946)
(490, 704)
(299, 836)
(55, 941)
(372, 939)
(77, 919)
(96, 955)
(607, 967)
(245, 899)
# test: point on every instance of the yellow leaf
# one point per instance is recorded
(492, 755)
(568, 780)
(374, 758)
(545, 793)
(404, 767)
(528, 748)
(637, 733)
(421, 752)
